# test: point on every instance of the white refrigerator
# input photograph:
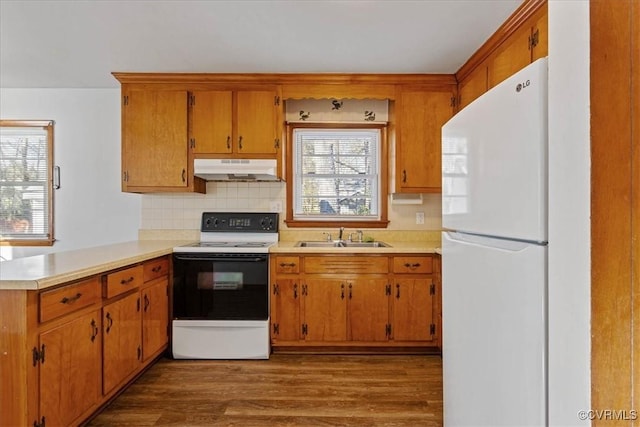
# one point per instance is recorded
(494, 256)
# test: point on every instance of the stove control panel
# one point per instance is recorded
(249, 222)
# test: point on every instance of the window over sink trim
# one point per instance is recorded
(294, 178)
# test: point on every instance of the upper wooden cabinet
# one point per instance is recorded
(243, 122)
(525, 45)
(420, 114)
(521, 40)
(155, 152)
(473, 86)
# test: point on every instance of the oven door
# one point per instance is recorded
(221, 286)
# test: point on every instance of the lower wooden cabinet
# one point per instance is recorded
(155, 317)
(368, 300)
(437, 266)
(70, 349)
(413, 310)
(353, 300)
(70, 369)
(121, 323)
(325, 310)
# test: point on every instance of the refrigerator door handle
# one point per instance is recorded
(487, 241)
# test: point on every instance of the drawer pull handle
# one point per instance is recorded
(110, 322)
(295, 291)
(146, 303)
(412, 266)
(397, 291)
(287, 264)
(71, 300)
(126, 281)
(342, 292)
(94, 330)
(157, 268)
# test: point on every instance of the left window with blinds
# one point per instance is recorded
(26, 182)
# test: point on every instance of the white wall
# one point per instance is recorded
(90, 209)
(569, 216)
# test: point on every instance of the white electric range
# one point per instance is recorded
(221, 288)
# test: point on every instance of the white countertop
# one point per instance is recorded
(43, 271)
(395, 247)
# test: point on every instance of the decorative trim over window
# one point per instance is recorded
(337, 110)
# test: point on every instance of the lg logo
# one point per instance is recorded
(521, 86)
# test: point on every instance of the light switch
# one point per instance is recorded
(419, 217)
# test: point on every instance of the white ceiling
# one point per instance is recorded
(54, 43)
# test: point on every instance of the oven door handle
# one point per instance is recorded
(214, 258)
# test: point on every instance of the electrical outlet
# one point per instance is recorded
(419, 217)
(275, 206)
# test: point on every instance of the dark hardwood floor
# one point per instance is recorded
(286, 390)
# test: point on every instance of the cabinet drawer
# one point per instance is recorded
(156, 268)
(288, 264)
(123, 281)
(346, 265)
(61, 301)
(413, 264)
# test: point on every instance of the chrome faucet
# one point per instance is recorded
(359, 234)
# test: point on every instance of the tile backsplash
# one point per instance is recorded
(183, 211)
(180, 211)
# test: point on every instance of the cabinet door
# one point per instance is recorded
(256, 122)
(511, 56)
(286, 310)
(421, 114)
(155, 318)
(325, 310)
(121, 340)
(474, 85)
(70, 374)
(540, 34)
(368, 309)
(211, 118)
(437, 300)
(155, 148)
(412, 309)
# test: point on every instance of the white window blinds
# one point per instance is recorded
(336, 173)
(25, 171)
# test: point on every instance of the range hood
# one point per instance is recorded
(236, 169)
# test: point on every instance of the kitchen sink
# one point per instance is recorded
(340, 244)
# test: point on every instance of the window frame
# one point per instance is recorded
(383, 178)
(46, 125)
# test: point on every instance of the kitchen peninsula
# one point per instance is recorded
(79, 326)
